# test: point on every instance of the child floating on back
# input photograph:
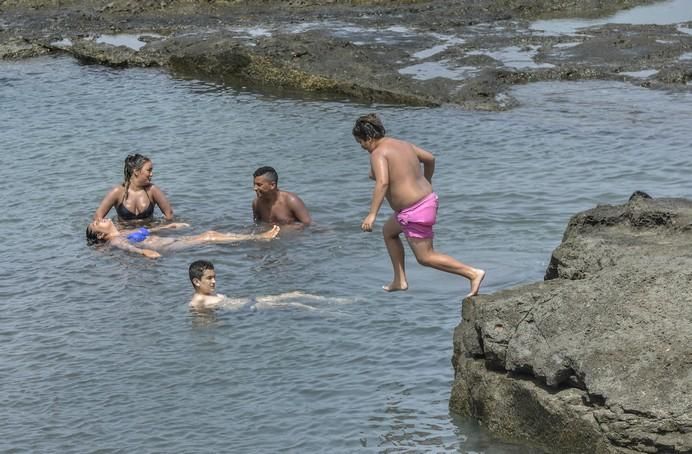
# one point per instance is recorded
(141, 241)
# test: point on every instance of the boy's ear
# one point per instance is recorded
(195, 282)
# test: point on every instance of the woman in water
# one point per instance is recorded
(136, 197)
(141, 241)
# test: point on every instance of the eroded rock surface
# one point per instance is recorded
(466, 53)
(598, 357)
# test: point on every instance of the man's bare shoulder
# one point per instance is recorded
(288, 195)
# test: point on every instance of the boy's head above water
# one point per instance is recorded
(368, 127)
(203, 277)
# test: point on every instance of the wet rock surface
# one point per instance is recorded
(598, 357)
(465, 53)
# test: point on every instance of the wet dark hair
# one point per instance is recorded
(92, 237)
(368, 127)
(267, 172)
(197, 269)
(133, 162)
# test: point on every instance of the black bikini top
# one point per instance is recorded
(127, 215)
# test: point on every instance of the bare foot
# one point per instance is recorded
(396, 287)
(270, 234)
(476, 282)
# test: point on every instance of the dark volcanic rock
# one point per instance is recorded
(407, 52)
(598, 358)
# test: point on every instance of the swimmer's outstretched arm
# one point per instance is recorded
(126, 246)
(172, 225)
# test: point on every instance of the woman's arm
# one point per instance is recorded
(164, 205)
(172, 225)
(109, 201)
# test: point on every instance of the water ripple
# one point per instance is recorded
(99, 348)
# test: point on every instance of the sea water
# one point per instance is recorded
(99, 351)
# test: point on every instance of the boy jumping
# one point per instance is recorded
(395, 167)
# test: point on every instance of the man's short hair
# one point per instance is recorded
(369, 127)
(268, 172)
(197, 269)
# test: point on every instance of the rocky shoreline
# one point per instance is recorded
(598, 357)
(594, 359)
(430, 53)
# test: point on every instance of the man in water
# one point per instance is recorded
(395, 165)
(203, 278)
(273, 205)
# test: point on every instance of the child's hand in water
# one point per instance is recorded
(178, 225)
(148, 253)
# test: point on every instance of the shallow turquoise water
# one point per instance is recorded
(99, 352)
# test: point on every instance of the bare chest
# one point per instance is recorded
(275, 213)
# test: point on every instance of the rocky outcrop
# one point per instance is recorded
(413, 52)
(598, 357)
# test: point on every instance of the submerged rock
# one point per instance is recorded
(598, 357)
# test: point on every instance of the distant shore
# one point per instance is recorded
(412, 53)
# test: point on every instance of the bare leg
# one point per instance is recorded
(212, 236)
(427, 256)
(391, 232)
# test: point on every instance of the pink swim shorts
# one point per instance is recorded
(417, 220)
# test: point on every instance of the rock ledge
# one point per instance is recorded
(598, 357)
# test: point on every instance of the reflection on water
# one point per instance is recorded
(132, 41)
(660, 13)
(511, 57)
(515, 57)
(430, 70)
(643, 74)
(100, 349)
(447, 42)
